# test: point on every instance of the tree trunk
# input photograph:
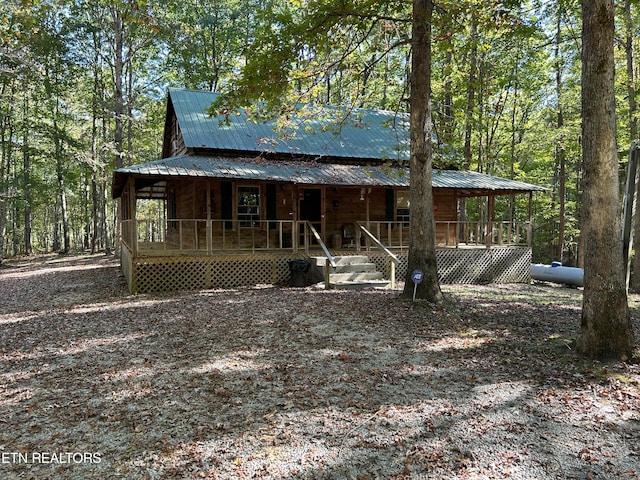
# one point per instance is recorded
(631, 76)
(95, 210)
(26, 172)
(56, 244)
(118, 95)
(471, 92)
(562, 193)
(3, 222)
(422, 248)
(60, 175)
(64, 213)
(560, 153)
(6, 133)
(471, 99)
(633, 125)
(606, 331)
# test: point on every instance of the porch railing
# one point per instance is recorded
(208, 236)
(485, 233)
(455, 234)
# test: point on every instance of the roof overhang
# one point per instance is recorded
(150, 178)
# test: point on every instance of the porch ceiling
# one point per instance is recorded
(311, 173)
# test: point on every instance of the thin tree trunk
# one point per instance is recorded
(15, 227)
(118, 97)
(26, 172)
(562, 189)
(62, 196)
(95, 211)
(102, 190)
(560, 153)
(633, 125)
(513, 143)
(129, 103)
(631, 76)
(119, 64)
(471, 93)
(3, 222)
(57, 243)
(64, 214)
(6, 133)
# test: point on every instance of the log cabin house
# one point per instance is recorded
(234, 202)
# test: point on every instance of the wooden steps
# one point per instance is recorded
(350, 272)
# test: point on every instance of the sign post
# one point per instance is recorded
(416, 276)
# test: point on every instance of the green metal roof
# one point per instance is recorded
(234, 151)
(313, 173)
(330, 132)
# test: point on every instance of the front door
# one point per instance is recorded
(310, 209)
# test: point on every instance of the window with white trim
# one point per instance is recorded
(248, 206)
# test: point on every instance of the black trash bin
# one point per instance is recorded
(299, 270)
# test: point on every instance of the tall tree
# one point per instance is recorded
(212, 38)
(422, 245)
(26, 173)
(559, 151)
(629, 35)
(14, 61)
(606, 331)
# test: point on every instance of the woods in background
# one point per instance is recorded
(83, 83)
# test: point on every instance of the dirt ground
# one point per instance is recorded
(301, 383)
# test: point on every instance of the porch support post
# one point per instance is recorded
(491, 202)
(295, 194)
(134, 221)
(458, 225)
(323, 216)
(393, 274)
(209, 233)
(530, 224)
(367, 206)
(327, 271)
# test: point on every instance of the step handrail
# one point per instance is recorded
(378, 243)
(394, 259)
(330, 261)
(327, 254)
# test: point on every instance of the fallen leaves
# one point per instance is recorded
(301, 383)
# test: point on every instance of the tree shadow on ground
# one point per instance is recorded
(294, 383)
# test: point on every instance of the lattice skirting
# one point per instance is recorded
(471, 266)
(157, 274)
(478, 266)
(162, 274)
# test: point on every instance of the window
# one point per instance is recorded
(248, 206)
(402, 208)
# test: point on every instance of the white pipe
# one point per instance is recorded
(558, 274)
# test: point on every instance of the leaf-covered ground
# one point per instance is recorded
(301, 383)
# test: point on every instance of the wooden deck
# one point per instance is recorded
(183, 271)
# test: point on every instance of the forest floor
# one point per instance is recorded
(300, 383)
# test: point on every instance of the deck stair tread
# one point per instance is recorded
(359, 285)
(351, 272)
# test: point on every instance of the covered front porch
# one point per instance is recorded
(179, 233)
(216, 207)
